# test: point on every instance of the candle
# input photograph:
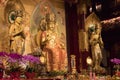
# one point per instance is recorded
(94, 76)
(90, 75)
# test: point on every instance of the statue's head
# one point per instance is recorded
(97, 29)
(51, 26)
(51, 21)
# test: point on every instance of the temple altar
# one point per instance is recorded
(59, 39)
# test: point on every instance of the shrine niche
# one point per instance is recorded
(96, 46)
(48, 30)
(26, 28)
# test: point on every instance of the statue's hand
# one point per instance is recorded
(102, 46)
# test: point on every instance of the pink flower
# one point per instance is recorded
(115, 61)
(31, 58)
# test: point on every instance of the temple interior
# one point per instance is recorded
(60, 39)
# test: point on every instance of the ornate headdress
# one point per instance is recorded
(50, 17)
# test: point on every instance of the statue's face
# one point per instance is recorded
(18, 19)
(98, 30)
(51, 25)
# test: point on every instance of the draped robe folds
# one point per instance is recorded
(56, 55)
(16, 38)
(28, 44)
(96, 49)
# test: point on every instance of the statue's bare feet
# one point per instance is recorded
(99, 69)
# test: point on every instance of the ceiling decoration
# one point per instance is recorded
(111, 23)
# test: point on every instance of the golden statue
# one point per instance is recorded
(51, 45)
(16, 36)
(96, 46)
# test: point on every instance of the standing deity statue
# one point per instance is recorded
(97, 45)
(16, 36)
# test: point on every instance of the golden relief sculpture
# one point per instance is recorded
(19, 27)
(13, 15)
(16, 36)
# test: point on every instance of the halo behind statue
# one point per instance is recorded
(39, 13)
(13, 9)
(12, 17)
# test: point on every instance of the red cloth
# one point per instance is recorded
(118, 73)
(15, 75)
(30, 75)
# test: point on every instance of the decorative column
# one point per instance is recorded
(73, 64)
